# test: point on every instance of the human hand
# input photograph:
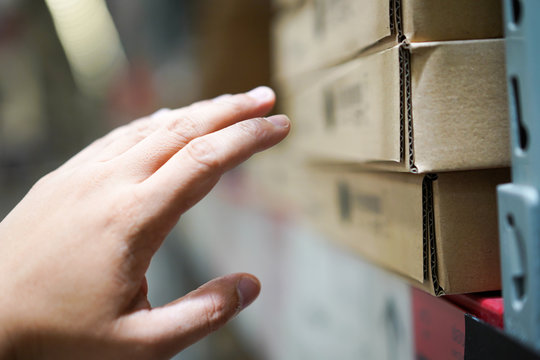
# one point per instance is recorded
(75, 250)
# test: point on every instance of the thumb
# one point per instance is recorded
(169, 329)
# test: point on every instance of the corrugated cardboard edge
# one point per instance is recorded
(405, 108)
(396, 20)
(402, 90)
(391, 17)
(429, 235)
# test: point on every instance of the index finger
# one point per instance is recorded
(192, 172)
(178, 127)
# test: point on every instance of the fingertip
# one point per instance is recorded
(262, 94)
(280, 121)
(248, 288)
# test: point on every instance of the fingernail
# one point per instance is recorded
(221, 97)
(261, 93)
(248, 289)
(279, 120)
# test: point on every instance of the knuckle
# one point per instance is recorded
(237, 103)
(135, 126)
(137, 132)
(141, 126)
(203, 153)
(182, 128)
(218, 312)
(252, 128)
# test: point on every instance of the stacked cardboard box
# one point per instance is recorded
(400, 119)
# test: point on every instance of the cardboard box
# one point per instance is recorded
(323, 32)
(437, 231)
(422, 107)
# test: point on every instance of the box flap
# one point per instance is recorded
(377, 214)
(451, 20)
(348, 26)
(469, 253)
(322, 33)
(459, 105)
(348, 113)
(294, 42)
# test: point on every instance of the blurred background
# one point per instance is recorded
(72, 70)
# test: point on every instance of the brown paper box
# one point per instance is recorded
(422, 107)
(324, 32)
(437, 231)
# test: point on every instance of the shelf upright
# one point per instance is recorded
(519, 201)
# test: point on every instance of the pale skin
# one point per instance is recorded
(75, 250)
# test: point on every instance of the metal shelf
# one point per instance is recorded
(519, 201)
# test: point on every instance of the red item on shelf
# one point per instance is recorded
(439, 327)
(488, 307)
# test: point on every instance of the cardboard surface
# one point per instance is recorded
(451, 20)
(367, 219)
(324, 32)
(467, 229)
(459, 106)
(440, 232)
(424, 107)
(341, 114)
